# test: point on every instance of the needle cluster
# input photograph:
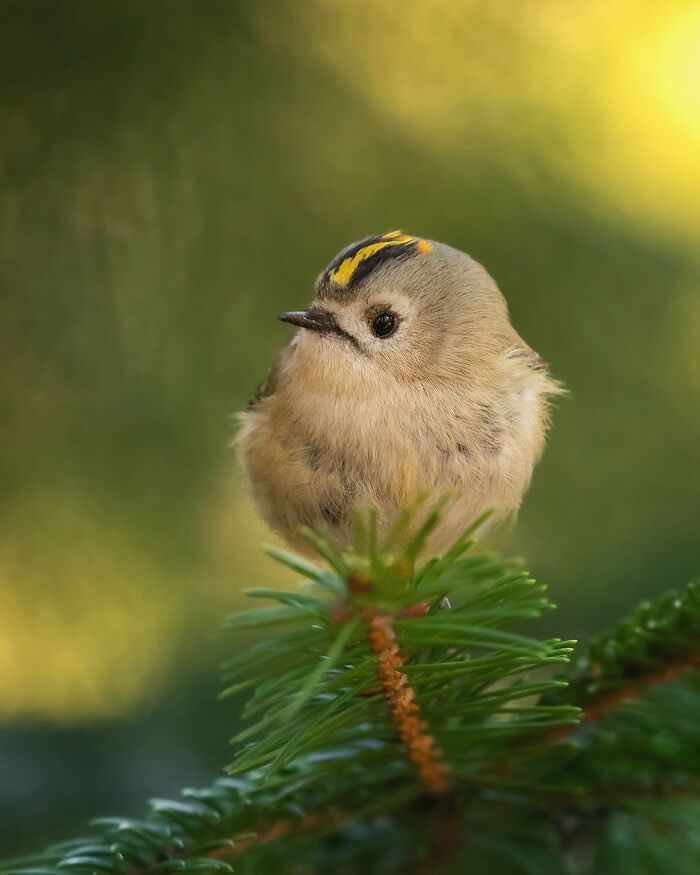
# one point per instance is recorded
(397, 719)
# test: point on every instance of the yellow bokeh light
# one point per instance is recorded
(643, 153)
(616, 85)
(84, 634)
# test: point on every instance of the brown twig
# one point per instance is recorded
(427, 757)
(422, 749)
(610, 702)
(634, 790)
(445, 831)
(279, 829)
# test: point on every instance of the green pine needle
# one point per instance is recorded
(573, 772)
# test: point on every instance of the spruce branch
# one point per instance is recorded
(387, 733)
(607, 704)
(657, 644)
(441, 662)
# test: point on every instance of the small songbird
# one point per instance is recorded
(405, 376)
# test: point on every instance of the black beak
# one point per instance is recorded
(317, 320)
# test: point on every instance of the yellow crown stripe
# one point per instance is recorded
(343, 273)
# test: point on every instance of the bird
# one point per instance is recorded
(404, 377)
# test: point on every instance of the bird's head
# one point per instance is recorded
(399, 308)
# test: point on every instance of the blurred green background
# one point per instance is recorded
(172, 175)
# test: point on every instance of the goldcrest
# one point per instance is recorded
(404, 376)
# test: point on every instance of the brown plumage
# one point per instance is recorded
(404, 376)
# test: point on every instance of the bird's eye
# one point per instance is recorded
(384, 325)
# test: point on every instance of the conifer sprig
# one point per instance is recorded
(658, 643)
(325, 693)
(383, 678)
